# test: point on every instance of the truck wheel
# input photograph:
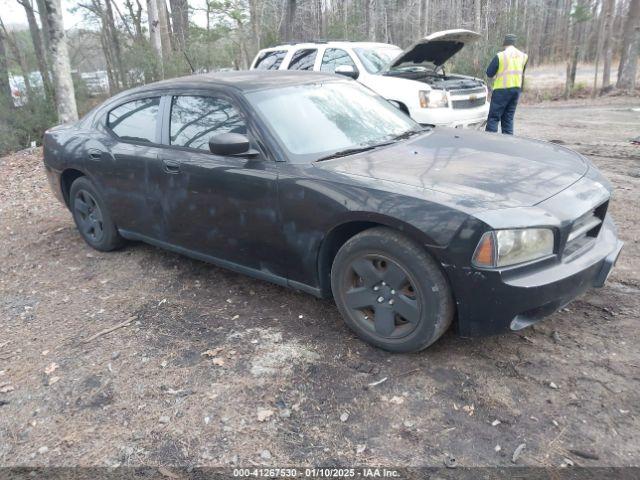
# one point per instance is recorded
(390, 291)
(92, 217)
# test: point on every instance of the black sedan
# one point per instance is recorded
(314, 182)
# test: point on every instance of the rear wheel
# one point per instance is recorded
(92, 217)
(390, 291)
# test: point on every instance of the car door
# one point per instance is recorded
(224, 207)
(336, 57)
(128, 141)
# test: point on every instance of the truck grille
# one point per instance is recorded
(469, 103)
(467, 91)
(585, 230)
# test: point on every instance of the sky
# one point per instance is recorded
(13, 15)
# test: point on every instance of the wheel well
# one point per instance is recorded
(330, 246)
(66, 179)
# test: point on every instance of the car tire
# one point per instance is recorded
(92, 217)
(390, 291)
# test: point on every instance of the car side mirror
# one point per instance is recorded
(231, 145)
(347, 71)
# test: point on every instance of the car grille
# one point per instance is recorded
(585, 230)
(467, 91)
(469, 103)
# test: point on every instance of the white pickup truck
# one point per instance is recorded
(413, 79)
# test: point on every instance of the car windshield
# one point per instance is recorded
(375, 59)
(313, 121)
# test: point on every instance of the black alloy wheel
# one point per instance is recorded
(89, 216)
(390, 291)
(92, 217)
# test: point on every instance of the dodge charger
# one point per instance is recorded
(314, 182)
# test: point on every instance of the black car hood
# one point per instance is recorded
(481, 170)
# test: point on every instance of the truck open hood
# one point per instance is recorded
(434, 50)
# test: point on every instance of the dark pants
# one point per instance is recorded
(503, 109)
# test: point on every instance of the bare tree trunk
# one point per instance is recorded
(289, 17)
(18, 55)
(154, 33)
(572, 61)
(136, 18)
(255, 17)
(180, 18)
(599, 30)
(608, 43)
(373, 20)
(114, 43)
(163, 26)
(38, 48)
(477, 24)
(46, 35)
(5, 86)
(244, 56)
(629, 53)
(208, 12)
(108, 58)
(422, 18)
(65, 94)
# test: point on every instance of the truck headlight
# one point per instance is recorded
(433, 98)
(501, 248)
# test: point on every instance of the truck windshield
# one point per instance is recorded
(375, 59)
(313, 121)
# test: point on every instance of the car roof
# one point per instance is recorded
(244, 81)
(331, 43)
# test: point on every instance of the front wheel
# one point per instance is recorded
(390, 291)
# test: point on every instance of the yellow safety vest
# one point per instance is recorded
(511, 66)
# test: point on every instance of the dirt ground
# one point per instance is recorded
(217, 369)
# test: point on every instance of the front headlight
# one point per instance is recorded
(433, 98)
(500, 248)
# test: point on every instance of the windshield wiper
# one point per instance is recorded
(349, 151)
(407, 134)
(367, 147)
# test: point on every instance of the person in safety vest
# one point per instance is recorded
(507, 69)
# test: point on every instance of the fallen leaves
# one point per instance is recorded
(52, 367)
(6, 387)
(517, 452)
(215, 355)
(212, 353)
(264, 414)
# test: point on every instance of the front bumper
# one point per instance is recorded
(491, 302)
(452, 117)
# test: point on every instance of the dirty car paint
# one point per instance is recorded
(274, 219)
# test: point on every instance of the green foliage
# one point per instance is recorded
(19, 126)
(581, 13)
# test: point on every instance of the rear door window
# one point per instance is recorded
(335, 57)
(270, 60)
(135, 121)
(195, 119)
(303, 59)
